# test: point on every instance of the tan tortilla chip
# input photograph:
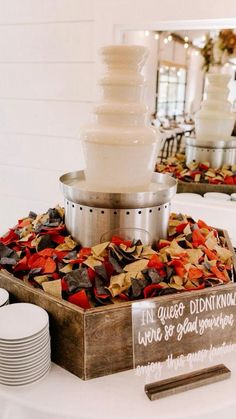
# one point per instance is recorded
(194, 255)
(136, 266)
(41, 278)
(99, 249)
(119, 283)
(53, 288)
(69, 244)
(67, 268)
(91, 262)
(223, 253)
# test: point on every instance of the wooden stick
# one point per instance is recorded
(186, 382)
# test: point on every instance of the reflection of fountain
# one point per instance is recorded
(118, 190)
(214, 124)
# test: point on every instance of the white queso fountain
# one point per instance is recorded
(214, 123)
(118, 192)
(120, 149)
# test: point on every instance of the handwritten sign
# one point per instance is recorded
(180, 326)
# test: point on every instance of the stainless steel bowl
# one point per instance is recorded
(217, 153)
(90, 216)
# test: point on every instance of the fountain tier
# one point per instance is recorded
(120, 148)
(93, 217)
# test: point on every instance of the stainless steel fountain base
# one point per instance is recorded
(217, 153)
(94, 217)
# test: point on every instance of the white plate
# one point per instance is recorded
(187, 195)
(26, 359)
(6, 304)
(23, 374)
(22, 345)
(24, 342)
(11, 375)
(4, 297)
(26, 368)
(217, 195)
(24, 352)
(25, 381)
(22, 349)
(34, 374)
(21, 321)
(33, 364)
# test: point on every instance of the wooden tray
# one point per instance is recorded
(202, 188)
(99, 341)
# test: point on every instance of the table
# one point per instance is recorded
(61, 395)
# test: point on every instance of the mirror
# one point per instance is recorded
(176, 72)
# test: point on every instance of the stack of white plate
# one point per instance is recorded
(25, 354)
(220, 196)
(4, 297)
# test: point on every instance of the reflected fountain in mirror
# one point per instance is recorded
(176, 71)
(215, 120)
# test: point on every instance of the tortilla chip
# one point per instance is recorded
(119, 283)
(223, 253)
(194, 255)
(91, 262)
(53, 288)
(136, 266)
(99, 249)
(67, 268)
(69, 244)
(41, 278)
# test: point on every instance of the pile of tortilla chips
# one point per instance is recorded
(197, 172)
(39, 251)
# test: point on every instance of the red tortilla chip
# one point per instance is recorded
(23, 223)
(195, 273)
(218, 273)
(46, 252)
(180, 228)
(49, 266)
(58, 239)
(84, 252)
(155, 262)
(22, 265)
(202, 224)
(179, 267)
(80, 299)
(198, 238)
(148, 291)
(10, 237)
(229, 180)
(210, 254)
(118, 240)
(36, 261)
(163, 243)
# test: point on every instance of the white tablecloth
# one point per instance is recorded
(62, 395)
